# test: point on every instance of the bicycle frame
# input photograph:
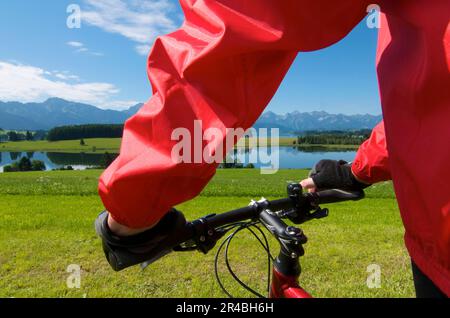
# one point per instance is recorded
(286, 267)
(286, 286)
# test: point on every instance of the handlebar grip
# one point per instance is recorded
(336, 195)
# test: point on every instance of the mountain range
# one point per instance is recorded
(59, 112)
(316, 120)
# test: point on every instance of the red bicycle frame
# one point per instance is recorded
(286, 287)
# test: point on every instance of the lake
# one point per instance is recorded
(289, 157)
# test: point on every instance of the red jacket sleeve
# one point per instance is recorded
(221, 67)
(371, 163)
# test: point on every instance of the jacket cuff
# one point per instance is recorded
(357, 171)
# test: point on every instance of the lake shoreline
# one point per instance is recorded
(259, 157)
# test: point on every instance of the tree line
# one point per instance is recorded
(85, 131)
(25, 164)
(334, 137)
(17, 136)
(81, 132)
(21, 136)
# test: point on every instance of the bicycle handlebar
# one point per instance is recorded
(297, 207)
(310, 201)
(250, 212)
(202, 234)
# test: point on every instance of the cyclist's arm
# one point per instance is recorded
(221, 67)
(371, 163)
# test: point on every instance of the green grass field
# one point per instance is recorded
(46, 224)
(101, 145)
(113, 144)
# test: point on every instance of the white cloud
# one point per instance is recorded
(75, 44)
(143, 49)
(141, 21)
(119, 104)
(81, 48)
(65, 76)
(27, 83)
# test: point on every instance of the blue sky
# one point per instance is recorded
(104, 62)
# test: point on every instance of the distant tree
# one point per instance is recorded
(40, 135)
(12, 136)
(15, 136)
(29, 135)
(25, 164)
(85, 131)
(9, 168)
(334, 137)
(82, 143)
(107, 160)
(37, 165)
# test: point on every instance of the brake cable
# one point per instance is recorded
(226, 243)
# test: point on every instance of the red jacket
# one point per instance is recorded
(226, 62)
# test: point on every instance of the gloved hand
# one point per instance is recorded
(332, 174)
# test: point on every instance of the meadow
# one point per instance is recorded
(91, 145)
(46, 224)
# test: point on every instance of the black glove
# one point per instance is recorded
(332, 174)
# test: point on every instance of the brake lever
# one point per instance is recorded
(304, 203)
(301, 217)
(319, 213)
